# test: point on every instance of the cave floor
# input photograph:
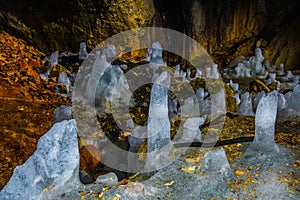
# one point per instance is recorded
(22, 123)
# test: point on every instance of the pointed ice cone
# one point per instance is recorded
(265, 123)
(158, 121)
(159, 146)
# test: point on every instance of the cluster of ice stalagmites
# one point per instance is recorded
(248, 68)
(257, 66)
(288, 103)
(53, 170)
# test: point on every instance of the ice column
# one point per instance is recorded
(245, 107)
(208, 72)
(294, 102)
(280, 72)
(82, 51)
(198, 73)
(159, 148)
(272, 79)
(156, 55)
(177, 71)
(259, 59)
(99, 66)
(188, 73)
(215, 71)
(53, 59)
(289, 76)
(158, 120)
(63, 85)
(265, 123)
(234, 86)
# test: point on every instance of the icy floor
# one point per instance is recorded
(266, 176)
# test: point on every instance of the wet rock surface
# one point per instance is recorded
(226, 28)
(51, 24)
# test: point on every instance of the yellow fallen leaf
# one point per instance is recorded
(292, 191)
(117, 197)
(169, 183)
(239, 172)
(189, 169)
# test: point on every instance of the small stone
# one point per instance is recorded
(109, 179)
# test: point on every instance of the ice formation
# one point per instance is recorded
(281, 102)
(294, 100)
(137, 137)
(281, 72)
(256, 98)
(54, 165)
(288, 77)
(82, 54)
(107, 83)
(215, 71)
(265, 124)
(234, 86)
(198, 73)
(189, 107)
(191, 130)
(245, 107)
(271, 79)
(63, 85)
(271, 69)
(177, 71)
(200, 93)
(188, 74)
(158, 128)
(99, 66)
(218, 102)
(173, 102)
(156, 53)
(158, 120)
(204, 104)
(53, 59)
(215, 163)
(208, 72)
(248, 68)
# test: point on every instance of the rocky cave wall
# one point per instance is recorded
(226, 28)
(61, 25)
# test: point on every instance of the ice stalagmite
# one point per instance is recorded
(55, 164)
(156, 55)
(245, 107)
(265, 123)
(158, 120)
(158, 123)
(99, 66)
(294, 99)
(63, 85)
(53, 59)
(82, 54)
